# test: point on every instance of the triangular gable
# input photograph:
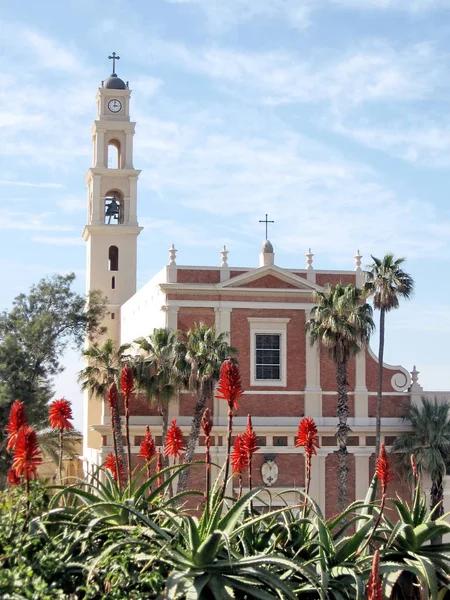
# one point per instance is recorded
(269, 277)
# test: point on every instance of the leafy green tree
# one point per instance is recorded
(387, 283)
(202, 353)
(429, 441)
(34, 334)
(156, 373)
(342, 323)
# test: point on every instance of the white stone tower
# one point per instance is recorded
(112, 229)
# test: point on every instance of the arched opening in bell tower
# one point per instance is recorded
(113, 258)
(114, 208)
(113, 154)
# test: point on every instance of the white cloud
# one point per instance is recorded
(222, 15)
(370, 72)
(59, 241)
(24, 221)
(416, 142)
(392, 5)
(31, 184)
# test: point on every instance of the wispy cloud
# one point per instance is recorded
(24, 221)
(222, 15)
(31, 184)
(59, 241)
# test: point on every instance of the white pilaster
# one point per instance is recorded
(313, 391)
(129, 150)
(361, 394)
(223, 325)
(171, 317)
(362, 475)
(99, 158)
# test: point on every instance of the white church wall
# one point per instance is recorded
(144, 311)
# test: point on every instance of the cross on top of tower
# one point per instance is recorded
(114, 57)
(266, 221)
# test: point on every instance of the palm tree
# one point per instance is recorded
(342, 324)
(155, 371)
(202, 353)
(387, 283)
(104, 366)
(429, 441)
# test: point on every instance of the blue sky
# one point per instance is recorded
(330, 115)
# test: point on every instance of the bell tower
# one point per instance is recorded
(112, 228)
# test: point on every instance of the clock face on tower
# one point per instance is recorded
(114, 105)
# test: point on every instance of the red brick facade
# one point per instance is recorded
(277, 296)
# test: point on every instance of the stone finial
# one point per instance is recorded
(358, 258)
(309, 259)
(415, 385)
(224, 254)
(172, 254)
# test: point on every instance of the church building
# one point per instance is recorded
(262, 308)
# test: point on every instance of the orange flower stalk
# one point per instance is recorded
(239, 460)
(59, 416)
(147, 449)
(206, 424)
(13, 478)
(383, 469)
(414, 467)
(230, 389)
(383, 472)
(27, 456)
(112, 397)
(159, 467)
(174, 441)
(17, 419)
(111, 465)
(307, 438)
(250, 445)
(127, 386)
(374, 590)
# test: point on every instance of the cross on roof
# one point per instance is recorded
(114, 57)
(266, 221)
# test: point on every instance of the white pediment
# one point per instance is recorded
(269, 273)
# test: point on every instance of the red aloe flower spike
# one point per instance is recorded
(207, 422)
(174, 441)
(249, 439)
(159, 467)
(239, 456)
(27, 455)
(147, 449)
(111, 465)
(230, 387)
(17, 419)
(374, 590)
(414, 467)
(59, 413)
(307, 436)
(111, 395)
(127, 382)
(383, 469)
(13, 478)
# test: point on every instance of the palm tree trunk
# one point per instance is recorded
(343, 431)
(193, 437)
(117, 428)
(380, 383)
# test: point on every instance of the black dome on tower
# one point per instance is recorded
(114, 83)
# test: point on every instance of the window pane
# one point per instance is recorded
(268, 356)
